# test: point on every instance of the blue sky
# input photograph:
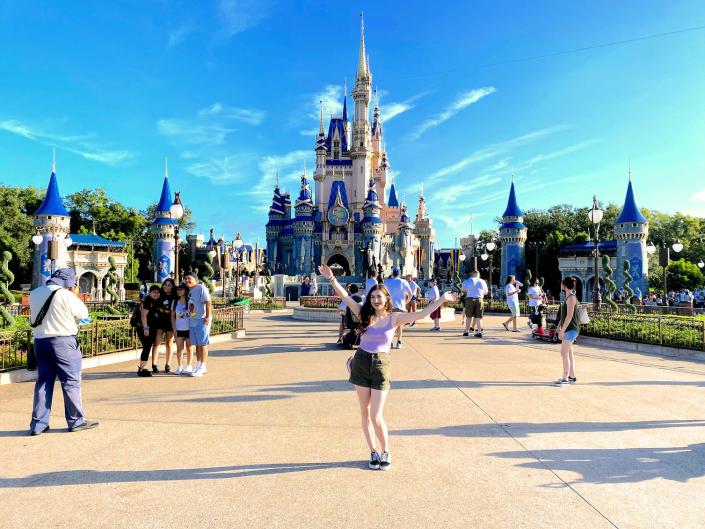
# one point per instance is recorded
(229, 91)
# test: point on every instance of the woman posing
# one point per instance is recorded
(568, 330)
(511, 288)
(371, 366)
(165, 330)
(147, 328)
(180, 325)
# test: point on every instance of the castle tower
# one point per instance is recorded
(426, 235)
(360, 150)
(631, 230)
(404, 244)
(164, 234)
(512, 233)
(274, 228)
(372, 228)
(52, 221)
(303, 229)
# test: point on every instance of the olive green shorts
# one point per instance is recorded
(474, 308)
(371, 370)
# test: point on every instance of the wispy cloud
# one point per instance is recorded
(464, 100)
(459, 224)
(226, 170)
(178, 35)
(237, 16)
(699, 196)
(211, 125)
(391, 110)
(82, 145)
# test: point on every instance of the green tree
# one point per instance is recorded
(17, 204)
(684, 274)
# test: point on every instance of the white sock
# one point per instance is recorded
(203, 366)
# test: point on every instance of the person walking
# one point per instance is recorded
(568, 330)
(400, 291)
(475, 290)
(411, 305)
(370, 368)
(200, 318)
(180, 323)
(511, 289)
(535, 296)
(433, 295)
(54, 309)
(147, 327)
(164, 329)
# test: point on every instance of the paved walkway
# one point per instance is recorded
(270, 438)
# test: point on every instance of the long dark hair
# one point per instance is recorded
(367, 312)
(173, 288)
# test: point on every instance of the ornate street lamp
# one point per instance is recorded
(487, 254)
(37, 238)
(664, 259)
(596, 215)
(237, 243)
(177, 212)
(701, 264)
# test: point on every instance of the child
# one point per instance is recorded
(180, 323)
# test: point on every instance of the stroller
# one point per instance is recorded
(546, 328)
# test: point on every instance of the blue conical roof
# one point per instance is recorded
(345, 107)
(52, 204)
(393, 202)
(513, 209)
(165, 200)
(630, 211)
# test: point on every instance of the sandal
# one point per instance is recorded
(506, 327)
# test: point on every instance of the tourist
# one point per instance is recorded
(147, 327)
(370, 367)
(164, 329)
(535, 298)
(200, 318)
(400, 291)
(351, 320)
(371, 281)
(54, 309)
(568, 330)
(341, 310)
(475, 290)
(433, 295)
(305, 286)
(411, 305)
(180, 323)
(314, 286)
(511, 289)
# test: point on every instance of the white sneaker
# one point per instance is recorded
(199, 371)
(385, 462)
(179, 370)
(187, 371)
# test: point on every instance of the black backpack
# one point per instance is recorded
(352, 321)
(136, 316)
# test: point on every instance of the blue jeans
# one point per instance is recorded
(61, 357)
(570, 336)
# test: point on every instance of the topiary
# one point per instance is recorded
(6, 297)
(611, 285)
(627, 287)
(206, 272)
(528, 277)
(113, 281)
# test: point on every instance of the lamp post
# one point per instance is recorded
(596, 215)
(177, 212)
(664, 259)
(487, 254)
(237, 243)
(536, 245)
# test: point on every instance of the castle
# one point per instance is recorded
(347, 222)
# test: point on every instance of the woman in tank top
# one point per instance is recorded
(568, 330)
(370, 368)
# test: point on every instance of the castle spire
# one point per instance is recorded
(630, 211)
(53, 160)
(320, 123)
(513, 209)
(362, 70)
(166, 167)
(345, 99)
(52, 204)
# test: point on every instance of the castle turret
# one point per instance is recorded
(631, 230)
(52, 222)
(303, 229)
(163, 232)
(513, 234)
(361, 149)
(426, 235)
(404, 244)
(372, 226)
(274, 227)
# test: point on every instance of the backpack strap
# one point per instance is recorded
(43, 311)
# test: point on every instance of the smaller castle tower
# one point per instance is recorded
(52, 221)
(303, 228)
(426, 235)
(512, 233)
(372, 227)
(404, 244)
(277, 216)
(631, 230)
(163, 231)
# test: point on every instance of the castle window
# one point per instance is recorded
(634, 224)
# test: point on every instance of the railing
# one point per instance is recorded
(277, 303)
(686, 333)
(93, 306)
(103, 337)
(320, 302)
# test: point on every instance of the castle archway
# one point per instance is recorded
(339, 265)
(87, 283)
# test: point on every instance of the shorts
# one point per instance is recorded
(436, 314)
(371, 370)
(183, 334)
(570, 336)
(513, 309)
(474, 308)
(164, 325)
(198, 332)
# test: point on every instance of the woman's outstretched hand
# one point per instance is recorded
(326, 272)
(450, 296)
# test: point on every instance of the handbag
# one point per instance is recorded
(583, 316)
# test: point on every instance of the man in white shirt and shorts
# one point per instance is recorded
(475, 290)
(400, 292)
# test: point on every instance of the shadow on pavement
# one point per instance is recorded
(270, 349)
(619, 465)
(88, 477)
(527, 429)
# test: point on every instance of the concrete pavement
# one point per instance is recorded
(271, 438)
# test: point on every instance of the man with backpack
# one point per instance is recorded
(54, 309)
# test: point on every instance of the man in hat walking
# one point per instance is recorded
(54, 309)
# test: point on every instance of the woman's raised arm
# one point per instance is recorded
(402, 318)
(326, 272)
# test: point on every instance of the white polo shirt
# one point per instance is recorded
(61, 318)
